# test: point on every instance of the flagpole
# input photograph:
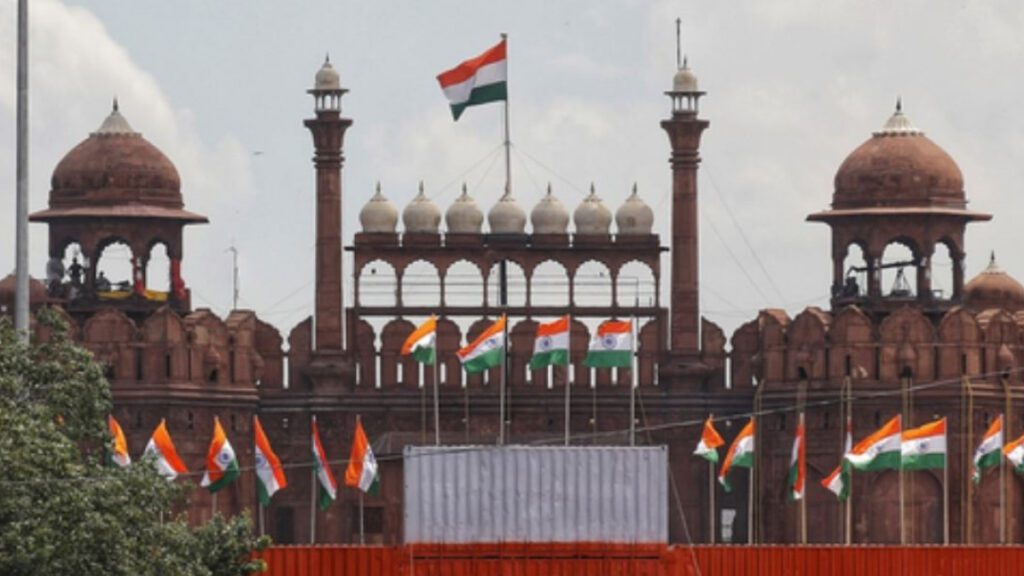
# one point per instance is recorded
(1002, 484)
(213, 504)
(260, 511)
(568, 367)
(362, 531)
(711, 493)
(437, 401)
(508, 141)
(847, 395)
(801, 464)
(312, 505)
(635, 381)
(903, 411)
(945, 494)
(750, 503)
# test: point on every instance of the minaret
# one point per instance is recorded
(684, 130)
(328, 130)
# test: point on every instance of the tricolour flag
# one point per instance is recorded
(422, 343)
(798, 462)
(269, 473)
(1014, 452)
(838, 482)
(362, 470)
(477, 81)
(487, 351)
(880, 450)
(327, 485)
(221, 461)
(710, 440)
(924, 447)
(740, 455)
(989, 451)
(551, 347)
(160, 446)
(118, 454)
(611, 346)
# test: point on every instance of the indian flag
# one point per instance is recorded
(221, 461)
(611, 346)
(740, 455)
(838, 482)
(422, 343)
(1014, 452)
(924, 447)
(328, 486)
(987, 454)
(710, 440)
(477, 81)
(119, 448)
(798, 462)
(880, 450)
(161, 448)
(552, 344)
(362, 470)
(487, 351)
(269, 474)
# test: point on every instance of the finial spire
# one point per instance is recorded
(679, 44)
(327, 57)
(992, 259)
(421, 187)
(115, 103)
(634, 188)
(549, 188)
(378, 187)
(899, 104)
(465, 190)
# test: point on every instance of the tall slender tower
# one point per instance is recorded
(684, 130)
(328, 129)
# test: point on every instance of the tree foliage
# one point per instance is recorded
(62, 511)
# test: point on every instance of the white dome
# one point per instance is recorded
(421, 215)
(379, 215)
(634, 217)
(327, 77)
(684, 80)
(592, 216)
(506, 217)
(115, 123)
(549, 216)
(464, 216)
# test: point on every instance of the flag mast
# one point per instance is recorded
(508, 141)
(568, 367)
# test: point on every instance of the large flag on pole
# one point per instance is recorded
(221, 461)
(989, 451)
(362, 469)
(477, 81)
(422, 343)
(798, 462)
(611, 346)
(487, 351)
(327, 485)
(269, 473)
(838, 482)
(710, 440)
(160, 446)
(740, 455)
(118, 455)
(924, 448)
(1014, 452)
(880, 450)
(551, 348)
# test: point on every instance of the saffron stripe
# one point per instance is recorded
(467, 69)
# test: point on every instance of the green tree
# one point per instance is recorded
(62, 511)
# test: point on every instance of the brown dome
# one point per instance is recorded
(37, 294)
(994, 288)
(898, 167)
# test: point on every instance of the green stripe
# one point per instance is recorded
(325, 497)
(710, 455)
(549, 358)
(924, 461)
(375, 485)
(989, 460)
(794, 471)
(609, 359)
(424, 354)
(488, 359)
(744, 460)
(882, 461)
(482, 95)
(845, 476)
(227, 478)
(261, 491)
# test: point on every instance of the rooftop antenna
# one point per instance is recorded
(234, 279)
(679, 44)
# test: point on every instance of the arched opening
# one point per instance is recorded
(463, 285)
(378, 284)
(899, 271)
(516, 283)
(158, 268)
(421, 285)
(636, 285)
(942, 272)
(72, 270)
(855, 272)
(592, 284)
(114, 268)
(549, 285)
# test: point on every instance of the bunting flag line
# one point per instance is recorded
(328, 486)
(740, 455)
(221, 461)
(989, 451)
(798, 462)
(880, 450)
(924, 448)
(269, 474)
(422, 343)
(160, 447)
(710, 440)
(362, 472)
(551, 347)
(118, 452)
(611, 346)
(487, 351)
(477, 81)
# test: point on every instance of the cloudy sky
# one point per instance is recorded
(792, 88)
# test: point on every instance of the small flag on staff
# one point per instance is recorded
(362, 472)
(710, 440)
(477, 81)
(160, 446)
(1014, 452)
(327, 485)
(798, 462)
(990, 450)
(269, 475)
(487, 351)
(422, 343)
(740, 455)
(221, 462)
(118, 454)
(838, 482)
(611, 346)
(551, 347)
(880, 450)
(924, 448)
